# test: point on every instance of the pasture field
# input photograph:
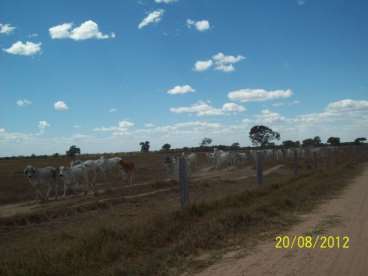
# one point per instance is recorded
(141, 229)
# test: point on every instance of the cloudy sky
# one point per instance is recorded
(105, 75)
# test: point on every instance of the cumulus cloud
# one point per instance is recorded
(121, 129)
(6, 29)
(233, 107)
(151, 18)
(165, 1)
(202, 65)
(226, 63)
(202, 108)
(347, 105)
(220, 62)
(201, 25)
(42, 125)
(24, 49)
(87, 30)
(60, 106)
(255, 95)
(269, 117)
(111, 110)
(23, 103)
(184, 89)
(149, 125)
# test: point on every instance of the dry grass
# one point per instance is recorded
(155, 237)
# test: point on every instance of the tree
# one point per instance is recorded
(145, 146)
(235, 145)
(360, 140)
(166, 147)
(334, 141)
(308, 142)
(206, 142)
(290, 144)
(262, 135)
(73, 151)
(317, 140)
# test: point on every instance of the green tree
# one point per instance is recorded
(333, 141)
(308, 142)
(360, 140)
(145, 146)
(206, 142)
(73, 151)
(166, 147)
(235, 145)
(262, 135)
(317, 140)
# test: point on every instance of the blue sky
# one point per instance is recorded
(177, 71)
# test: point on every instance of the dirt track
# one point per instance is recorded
(345, 215)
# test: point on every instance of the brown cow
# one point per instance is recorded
(129, 168)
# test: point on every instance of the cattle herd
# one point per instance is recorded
(82, 175)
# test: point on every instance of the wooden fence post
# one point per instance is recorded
(183, 181)
(296, 163)
(259, 167)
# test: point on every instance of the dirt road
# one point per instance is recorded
(345, 215)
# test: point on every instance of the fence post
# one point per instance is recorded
(259, 167)
(183, 181)
(296, 163)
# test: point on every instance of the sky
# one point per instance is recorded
(106, 75)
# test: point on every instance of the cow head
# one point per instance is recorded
(29, 171)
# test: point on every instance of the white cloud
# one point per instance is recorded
(33, 35)
(233, 107)
(2, 129)
(269, 117)
(202, 108)
(184, 89)
(300, 2)
(165, 1)
(226, 63)
(60, 106)
(347, 105)
(153, 17)
(87, 30)
(253, 95)
(202, 65)
(121, 129)
(24, 49)
(201, 25)
(220, 62)
(111, 110)
(42, 125)
(24, 102)
(6, 29)
(149, 125)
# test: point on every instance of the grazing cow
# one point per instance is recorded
(39, 177)
(171, 165)
(222, 159)
(74, 176)
(129, 168)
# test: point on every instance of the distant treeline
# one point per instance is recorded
(285, 144)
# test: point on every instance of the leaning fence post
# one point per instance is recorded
(183, 181)
(259, 167)
(296, 163)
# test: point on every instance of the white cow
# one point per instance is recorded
(39, 177)
(76, 176)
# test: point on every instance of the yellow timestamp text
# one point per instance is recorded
(311, 242)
